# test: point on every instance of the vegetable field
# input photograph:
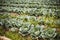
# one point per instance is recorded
(30, 19)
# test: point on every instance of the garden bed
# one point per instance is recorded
(15, 35)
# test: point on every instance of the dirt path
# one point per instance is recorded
(4, 38)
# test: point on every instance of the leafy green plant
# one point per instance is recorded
(24, 29)
(36, 31)
(49, 33)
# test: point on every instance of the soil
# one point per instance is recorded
(4, 38)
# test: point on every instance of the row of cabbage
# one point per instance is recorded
(32, 1)
(44, 20)
(34, 11)
(30, 5)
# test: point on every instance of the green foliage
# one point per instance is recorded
(31, 7)
(15, 36)
(57, 22)
(30, 25)
(3, 16)
(24, 29)
(1, 31)
(40, 14)
(49, 33)
(36, 31)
